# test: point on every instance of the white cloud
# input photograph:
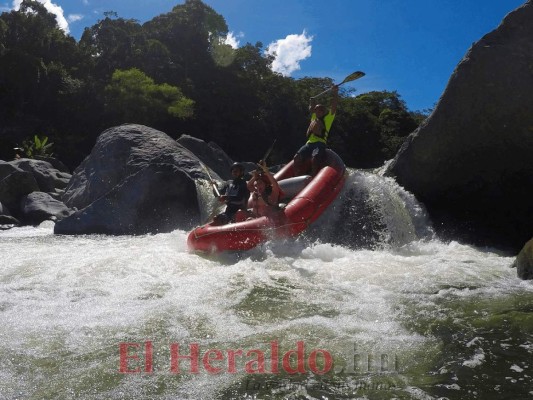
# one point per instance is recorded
(74, 17)
(233, 40)
(289, 52)
(51, 8)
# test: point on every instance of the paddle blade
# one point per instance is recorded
(352, 77)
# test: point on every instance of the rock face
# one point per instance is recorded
(37, 207)
(210, 154)
(471, 162)
(48, 178)
(14, 186)
(26, 188)
(6, 219)
(136, 180)
(524, 262)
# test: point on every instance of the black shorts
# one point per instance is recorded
(315, 150)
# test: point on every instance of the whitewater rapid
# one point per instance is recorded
(68, 302)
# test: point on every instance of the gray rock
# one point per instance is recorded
(16, 185)
(6, 219)
(524, 261)
(6, 169)
(158, 198)
(37, 207)
(57, 164)
(7, 222)
(48, 178)
(136, 180)
(471, 162)
(210, 154)
(57, 194)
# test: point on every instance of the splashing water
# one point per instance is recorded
(208, 204)
(403, 315)
(372, 211)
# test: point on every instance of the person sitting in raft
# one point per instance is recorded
(317, 136)
(265, 192)
(235, 194)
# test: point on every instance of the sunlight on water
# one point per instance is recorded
(67, 303)
(401, 314)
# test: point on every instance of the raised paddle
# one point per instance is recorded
(263, 160)
(269, 151)
(352, 77)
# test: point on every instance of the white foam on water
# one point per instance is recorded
(68, 301)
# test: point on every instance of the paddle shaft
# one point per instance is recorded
(269, 151)
(352, 77)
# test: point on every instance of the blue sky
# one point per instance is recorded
(411, 46)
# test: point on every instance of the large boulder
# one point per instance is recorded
(524, 261)
(471, 162)
(136, 180)
(210, 154)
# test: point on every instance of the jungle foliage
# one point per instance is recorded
(173, 73)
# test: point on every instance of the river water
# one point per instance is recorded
(374, 307)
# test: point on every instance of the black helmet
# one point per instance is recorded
(237, 165)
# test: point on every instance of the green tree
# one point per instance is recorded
(189, 32)
(40, 67)
(134, 97)
(113, 44)
(123, 71)
(371, 128)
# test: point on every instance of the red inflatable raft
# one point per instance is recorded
(306, 198)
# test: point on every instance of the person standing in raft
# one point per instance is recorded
(317, 136)
(235, 194)
(265, 192)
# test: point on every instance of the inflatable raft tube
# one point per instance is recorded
(306, 199)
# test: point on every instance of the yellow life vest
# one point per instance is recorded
(328, 121)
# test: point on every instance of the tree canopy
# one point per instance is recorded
(174, 73)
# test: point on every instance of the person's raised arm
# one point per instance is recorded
(312, 104)
(273, 197)
(250, 183)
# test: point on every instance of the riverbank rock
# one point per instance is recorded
(37, 207)
(136, 180)
(48, 178)
(15, 185)
(6, 169)
(524, 261)
(25, 189)
(57, 164)
(471, 162)
(6, 219)
(210, 154)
